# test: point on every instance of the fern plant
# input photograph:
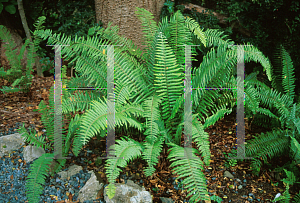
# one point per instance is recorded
(15, 72)
(150, 87)
(290, 180)
(40, 167)
(278, 106)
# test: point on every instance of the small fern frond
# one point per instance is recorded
(188, 166)
(295, 150)
(201, 139)
(36, 177)
(215, 117)
(125, 151)
(95, 119)
(151, 113)
(151, 154)
(38, 141)
(297, 198)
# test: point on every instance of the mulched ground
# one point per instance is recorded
(18, 107)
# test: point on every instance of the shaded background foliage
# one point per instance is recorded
(270, 22)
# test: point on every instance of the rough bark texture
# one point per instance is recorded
(122, 13)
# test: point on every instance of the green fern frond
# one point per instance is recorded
(286, 195)
(92, 63)
(47, 116)
(36, 177)
(151, 113)
(272, 98)
(201, 139)
(215, 117)
(214, 38)
(295, 150)
(297, 198)
(11, 52)
(188, 166)
(253, 54)
(195, 29)
(151, 153)
(96, 118)
(125, 151)
(206, 75)
(287, 74)
(167, 72)
(179, 36)
(251, 97)
(38, 141)
(272, 144)
(80, 101)
(73, 128)
(266, 112)
(148, 25)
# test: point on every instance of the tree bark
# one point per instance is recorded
(122, 13)
(28, 35)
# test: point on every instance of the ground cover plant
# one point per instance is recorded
(163, 62)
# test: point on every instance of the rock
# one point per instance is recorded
(129, 193)
(71, 171)
(10, 143)
(228, 175)
(240, 187)
(90, 189)
(31, 153)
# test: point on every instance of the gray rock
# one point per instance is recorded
(10, 143)
(71, 171)
(129, 193)
(90, 189)
(240, 187)
(32, 152)
(228, 175)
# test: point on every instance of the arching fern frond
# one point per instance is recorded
(195, 29)
(96, 118)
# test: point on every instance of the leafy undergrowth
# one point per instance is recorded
(18, 107)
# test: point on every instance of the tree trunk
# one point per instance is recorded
(26, 29)
(122, 13)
